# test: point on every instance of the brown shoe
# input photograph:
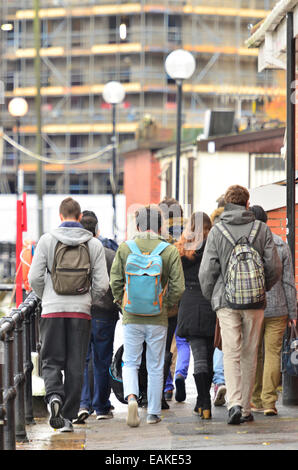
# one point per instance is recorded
(270, 411)
(256, 409)
(206, 414)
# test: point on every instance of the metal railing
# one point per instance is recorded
(18, 337)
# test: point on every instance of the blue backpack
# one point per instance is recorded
(143, 290)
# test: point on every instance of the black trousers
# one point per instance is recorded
(202, 350)
(64, 345)
(172, 323)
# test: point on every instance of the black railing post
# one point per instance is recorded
(9, 390)
(19, 380)
(28, 367)
(16, 404)
(37, 335)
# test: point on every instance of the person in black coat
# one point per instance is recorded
(196, 320)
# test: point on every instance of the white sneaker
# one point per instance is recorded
(83, 414)
(107, 415)
(153, 419)
(219, 395)
(133, 419)
(56, 421)
(68, 427)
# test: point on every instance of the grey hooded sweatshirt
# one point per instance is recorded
(40, 279)
(218, 250)
(282, 298)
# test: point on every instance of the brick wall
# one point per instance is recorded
(277, 223)
(141, 178)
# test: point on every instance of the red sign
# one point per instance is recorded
(21, 227)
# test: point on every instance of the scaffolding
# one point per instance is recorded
(81, 50)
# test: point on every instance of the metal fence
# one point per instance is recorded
(19, 336)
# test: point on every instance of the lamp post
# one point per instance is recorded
(114, 93)
(18, 108)
(179, 65)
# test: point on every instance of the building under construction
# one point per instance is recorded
(83, 44)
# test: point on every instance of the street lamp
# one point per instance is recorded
(7, 27)
(179, 65)
(114, 93)
(18, 108)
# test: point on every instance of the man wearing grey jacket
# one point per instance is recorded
(240, 328)
(65, 320)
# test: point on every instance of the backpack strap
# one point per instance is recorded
(160, 248)
(136, 250)
(223, 229)
(254, 231)
(133, 247)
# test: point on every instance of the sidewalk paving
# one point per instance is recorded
(178, 430)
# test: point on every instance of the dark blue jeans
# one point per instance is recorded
(101, 351)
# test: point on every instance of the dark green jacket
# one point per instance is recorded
(172, 274)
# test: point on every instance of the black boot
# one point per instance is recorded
(204, 400)
(166, 370)
(198, 407)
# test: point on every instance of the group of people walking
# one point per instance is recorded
(176, 284)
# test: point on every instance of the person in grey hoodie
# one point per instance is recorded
(280, 308)
(240, 328)
(65, 319)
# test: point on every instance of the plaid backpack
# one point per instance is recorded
(245, 276)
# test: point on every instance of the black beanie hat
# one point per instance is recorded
(259, 213)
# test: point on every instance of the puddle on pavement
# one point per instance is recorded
(44, 438)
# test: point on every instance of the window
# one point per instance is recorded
(76, 143)
(29, 183)
(124, 74)
(45, 36)
(269, 163)
(78, 184)
(174, 29)
(9, 81)
(76, 102)
(76, 32)
(171, 101)
(112, 29)
(76, 78)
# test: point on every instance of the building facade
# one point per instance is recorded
(207, 169)
(84, 44)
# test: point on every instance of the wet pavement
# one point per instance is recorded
(179, 430)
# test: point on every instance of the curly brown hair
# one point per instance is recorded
(237, 195)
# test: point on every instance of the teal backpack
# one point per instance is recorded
(143, 290)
